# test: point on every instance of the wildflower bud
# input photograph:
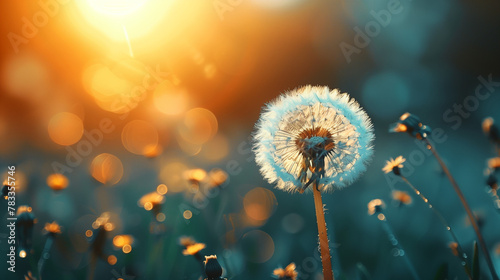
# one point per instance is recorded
(5, 190)
(24, 227)
(454, 248)
(401, 197)
(52, 229)
(57, 182)
(492, 181)
(411, 124)
(191, 247)
(394, 165)
(494, 163)
(288, 273)
(491, 130)
(213, 270)
(375, 206)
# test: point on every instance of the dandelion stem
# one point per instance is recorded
(45, 255)
(326, 259)
(461, 252)
(92, 266)
(473, 221)
(395, 242)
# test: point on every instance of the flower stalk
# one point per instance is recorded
(460, 252)
(411, 124)
(326, 258)
(375, 207)
(466, 206)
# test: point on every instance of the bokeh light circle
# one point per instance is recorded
(170, 99)
(172, 174)
(198, 126)
(258, 246)
(107, 169)
(65, 128)
(259, 204)
(139, 136)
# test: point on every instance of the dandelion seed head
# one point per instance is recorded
(313, 130)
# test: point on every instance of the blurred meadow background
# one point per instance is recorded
(129, 98)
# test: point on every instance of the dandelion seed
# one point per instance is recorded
(313, 136)
(288, 273)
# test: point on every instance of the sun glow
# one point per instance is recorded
(116, 7)
(112, 17)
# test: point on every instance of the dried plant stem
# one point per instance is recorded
(395, 242)
(473, 221)
(92, 267)
(326, 259)
(461, 252)
(45, 255)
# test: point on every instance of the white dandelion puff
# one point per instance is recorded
(313, 134)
